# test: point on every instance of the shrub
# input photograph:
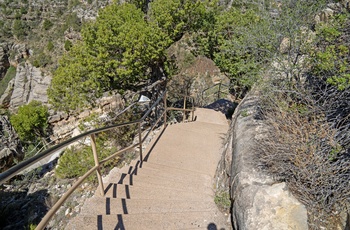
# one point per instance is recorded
(42, 60)
(50, 46)
(222, 200)
(47, 24)
(67, 45)
(31, 121)
(20, 29)
(302, 148)
(76, 161)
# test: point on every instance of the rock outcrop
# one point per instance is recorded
(4, 61)
(66, 125)
(10, 145)
(258, 202)
(29, 84)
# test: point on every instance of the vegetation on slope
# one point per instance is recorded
(307, 111)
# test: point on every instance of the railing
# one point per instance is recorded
(27, 163)
(188, 101)
(214, 92)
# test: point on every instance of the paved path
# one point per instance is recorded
(173, 189)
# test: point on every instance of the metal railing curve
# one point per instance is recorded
(5, 176)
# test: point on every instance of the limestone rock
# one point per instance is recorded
(259, 203)
(29, 85)
(10, 145)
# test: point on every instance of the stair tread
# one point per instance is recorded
(133, 206)
(131, 192)
(159, 177)
(160, 166)
(178, 220)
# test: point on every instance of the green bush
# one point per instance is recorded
(20, 29)
(76, 161)
(31, 121)
(42, 60)
(50, 46)
(67, 45)
(47, 24)
(222, 200)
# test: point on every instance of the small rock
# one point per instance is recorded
(67, 212)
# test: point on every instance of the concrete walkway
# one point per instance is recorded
(172, 189)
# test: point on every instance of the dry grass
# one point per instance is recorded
(301, 148)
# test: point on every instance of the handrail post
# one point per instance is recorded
(165, 109)
(192, 108)
(219, 90)
(140, 143)
(97, 163)
(184, 112)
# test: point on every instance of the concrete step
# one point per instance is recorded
(172, 169)
(210, 116)
(139, 192)
(171, 177)
(113, 206)
(181, 220)
(161, 181)
(171, 173)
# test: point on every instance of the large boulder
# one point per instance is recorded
(258, 201)
(10, 145)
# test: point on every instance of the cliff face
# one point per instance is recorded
(29, 84)
(33, 36)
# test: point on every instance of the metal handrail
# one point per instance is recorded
(184, 109)
(27, 163)
(218, 92)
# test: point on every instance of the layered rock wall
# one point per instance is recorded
(29, 84)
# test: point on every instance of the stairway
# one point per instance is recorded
(171, 189)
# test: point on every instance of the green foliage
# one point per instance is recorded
(67, 45)
(42, 59)
(31, 121)
(47, 24)
(23, 10)
(18, 15)
(5, 30)
(70, 21)
(50, 46)
(175, 17)
(140, 4)
(73, 3)
(120, 49)
(76, 161)
(222, 200)
(241, 51)
(20, 29)
(10, 74)
(331, 60)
